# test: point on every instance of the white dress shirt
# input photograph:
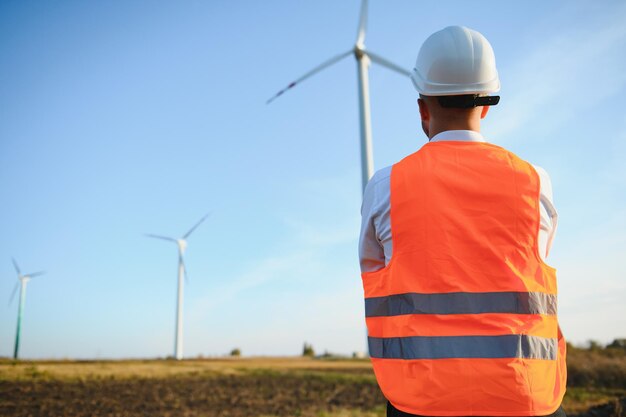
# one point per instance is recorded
(375, 244)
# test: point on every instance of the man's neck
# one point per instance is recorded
(435, 128)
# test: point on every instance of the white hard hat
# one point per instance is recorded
(456, 61)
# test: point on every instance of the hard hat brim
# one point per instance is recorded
(429, 88)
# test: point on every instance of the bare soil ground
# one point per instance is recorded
(220, 387)
(257, 387)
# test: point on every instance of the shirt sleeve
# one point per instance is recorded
(371, 252)
(548, 213)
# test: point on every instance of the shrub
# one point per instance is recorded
(596, 367)
(307, 350)
(617, 344)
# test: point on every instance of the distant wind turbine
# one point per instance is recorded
(22, 281)
(182, 245)
(363, 58)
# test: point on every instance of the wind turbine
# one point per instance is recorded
(182, 245)
(363, 58)
(23, 280)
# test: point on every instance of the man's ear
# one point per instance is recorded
(484, 111)
(424, 112)
(424, 115)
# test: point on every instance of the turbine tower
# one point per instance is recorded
(22, 281)
(182, 271)
(363, 58)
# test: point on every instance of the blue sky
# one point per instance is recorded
(128, 117)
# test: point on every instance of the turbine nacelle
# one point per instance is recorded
(182, 245)
(361, 54)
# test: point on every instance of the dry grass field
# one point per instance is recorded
(216, 387)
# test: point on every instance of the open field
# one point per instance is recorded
(212, 387)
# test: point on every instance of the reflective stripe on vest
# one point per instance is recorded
(462, 321)
(448, 347)
(461, 303)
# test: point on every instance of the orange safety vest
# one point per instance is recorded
(462, 321)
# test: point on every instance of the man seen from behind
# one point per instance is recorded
(460, 305)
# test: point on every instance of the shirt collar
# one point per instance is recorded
(458, 135)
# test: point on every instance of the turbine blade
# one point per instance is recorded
(182, 262)
(386, 63)
(13, 293)
(17, 268)
(35, 274)
(314, 71)
(196, 225)
(360, 35)
(161, 237)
